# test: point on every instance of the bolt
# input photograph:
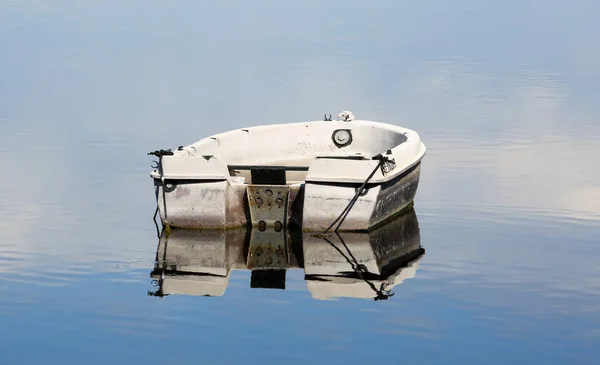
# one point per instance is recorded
(279, 201)
(259, 201)
(278, 226)
(262, 225)
(268, 192)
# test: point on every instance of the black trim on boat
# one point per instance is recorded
(391, 182)
(268, 175)
(343, 157)
(256, 167)
(294, 168)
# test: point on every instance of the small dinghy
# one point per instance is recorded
(338, 175)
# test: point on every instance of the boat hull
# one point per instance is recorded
(312, 206)
(324, 203)
(202, 204)
(303, 174)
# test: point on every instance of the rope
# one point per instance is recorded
(156, 224)
(160, 281)
(382, 163)
(360, 269)
(160, 154)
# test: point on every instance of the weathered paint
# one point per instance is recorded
(395, 196)
(378, 204)
(324, 203)
(206, 199)
(207, 194)
(268, 204)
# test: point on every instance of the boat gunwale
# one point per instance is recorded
(412, 137)
(392, 177)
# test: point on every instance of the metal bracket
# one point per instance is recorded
(268, 206)
(268, 258)
(268, 250)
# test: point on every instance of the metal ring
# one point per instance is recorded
(169, 186)
(342, 137)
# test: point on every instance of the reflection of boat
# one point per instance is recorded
(364, 265)
(198, 262)
(345, 264)
(305, 173)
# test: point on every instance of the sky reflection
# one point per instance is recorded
(504, 96)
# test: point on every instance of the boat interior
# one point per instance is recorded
(285, 152)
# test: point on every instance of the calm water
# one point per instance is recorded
(504, 95)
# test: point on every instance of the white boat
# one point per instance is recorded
(325, 175)
(347, 264)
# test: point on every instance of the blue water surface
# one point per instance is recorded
(503, 94)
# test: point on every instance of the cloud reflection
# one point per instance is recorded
(508, 199)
